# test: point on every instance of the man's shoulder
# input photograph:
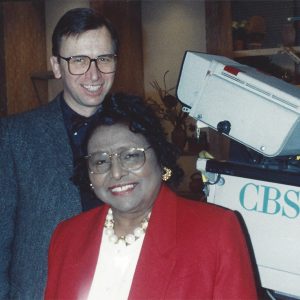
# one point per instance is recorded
(39, 112)
(33, 118)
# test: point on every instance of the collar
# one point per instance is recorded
(72, 119)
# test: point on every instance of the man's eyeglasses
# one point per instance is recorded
(130, 159)
(80, 64)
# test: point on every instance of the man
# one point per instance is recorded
(38, 149)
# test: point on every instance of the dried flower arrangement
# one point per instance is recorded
(168, 107)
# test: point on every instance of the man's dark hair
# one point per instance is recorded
(79, 20)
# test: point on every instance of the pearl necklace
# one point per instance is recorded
(128, 239)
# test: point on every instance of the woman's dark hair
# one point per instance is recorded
(140, 118)
(79, 20)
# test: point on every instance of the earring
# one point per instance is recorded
(91, 185)
(167, 174)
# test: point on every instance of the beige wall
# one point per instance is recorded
(169, 29)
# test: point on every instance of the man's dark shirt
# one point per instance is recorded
(77, 127)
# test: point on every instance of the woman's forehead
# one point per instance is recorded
(107, 137)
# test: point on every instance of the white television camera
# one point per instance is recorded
(263, 113)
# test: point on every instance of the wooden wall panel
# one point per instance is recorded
(218, 27)
(126, 16)
(2, 69)
(218, 41)
(24, 52)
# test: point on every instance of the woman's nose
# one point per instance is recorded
(117, 171)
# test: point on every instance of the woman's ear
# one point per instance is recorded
(55, 67)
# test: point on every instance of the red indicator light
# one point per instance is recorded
(231, 70)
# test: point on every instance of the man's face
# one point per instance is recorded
(84, 93)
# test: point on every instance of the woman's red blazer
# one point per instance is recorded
(191, 250)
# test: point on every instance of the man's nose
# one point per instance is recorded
(93, 71)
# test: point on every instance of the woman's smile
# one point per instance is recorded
(122, 189)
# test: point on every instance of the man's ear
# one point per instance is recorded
(55, 67)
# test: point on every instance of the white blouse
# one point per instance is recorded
(115, 269)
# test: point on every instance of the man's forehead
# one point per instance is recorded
(99, 38)
(77, 36)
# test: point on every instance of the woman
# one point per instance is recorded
(145, 242)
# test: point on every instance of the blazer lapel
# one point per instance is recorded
(157, 257)
(88, 252)
(55, 133)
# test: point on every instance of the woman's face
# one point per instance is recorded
(126, 191)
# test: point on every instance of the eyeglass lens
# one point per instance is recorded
(80, 64)
(130, 159)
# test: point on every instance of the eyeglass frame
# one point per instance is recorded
(67, 59)
(117, 154)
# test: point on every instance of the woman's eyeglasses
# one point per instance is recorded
(130, 159)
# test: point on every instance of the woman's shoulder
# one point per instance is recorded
(205, 215)
(209, 223)
(73, 236)
(81, 223)
(87, 216)
(201, 207)
(194, 209)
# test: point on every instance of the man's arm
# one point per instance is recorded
(8, 200)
